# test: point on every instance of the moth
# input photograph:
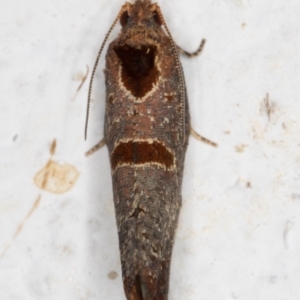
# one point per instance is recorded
(147, 126)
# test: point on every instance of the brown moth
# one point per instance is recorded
(147, 126)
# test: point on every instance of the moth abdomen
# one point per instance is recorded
(147, 219)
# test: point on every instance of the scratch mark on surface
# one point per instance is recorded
(83, 79)
(33, 208)
(5, 250)
(22, 223)
(268, 107)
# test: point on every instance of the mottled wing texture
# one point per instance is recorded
(143, 132)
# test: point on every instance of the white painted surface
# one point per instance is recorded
(233, 241)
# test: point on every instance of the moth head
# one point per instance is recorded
(141, 13)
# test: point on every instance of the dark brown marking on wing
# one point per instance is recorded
(124, 18)
(169, 97)
(140, 153)
(111, 98)
(136, 212)
(157, 18)
(139, 72)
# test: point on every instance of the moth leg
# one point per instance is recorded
(200, 138)
(193, 54)
(96, 147)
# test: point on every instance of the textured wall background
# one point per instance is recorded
(239, 232)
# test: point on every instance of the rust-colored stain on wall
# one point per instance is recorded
(56, 178)
(83, 79)
(22, 223)
(53, 147)
(240, 148)
(33, 208)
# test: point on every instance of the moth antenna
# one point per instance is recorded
(179, 68)
(95, 68)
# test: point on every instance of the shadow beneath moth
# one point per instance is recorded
(147, 126)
